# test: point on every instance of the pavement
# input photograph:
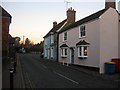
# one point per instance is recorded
(111, 77)
(18, 76)
(19, 80)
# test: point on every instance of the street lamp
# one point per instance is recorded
(23, 39)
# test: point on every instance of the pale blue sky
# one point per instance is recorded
(34, 19)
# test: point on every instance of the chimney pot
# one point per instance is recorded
(54, 23)
(110, 3)
(71, 15)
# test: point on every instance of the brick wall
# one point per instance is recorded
(5, 33)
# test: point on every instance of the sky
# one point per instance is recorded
(34, 18)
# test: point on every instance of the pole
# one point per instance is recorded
(11, 78)
(23, 39)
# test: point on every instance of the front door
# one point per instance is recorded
(72, 56)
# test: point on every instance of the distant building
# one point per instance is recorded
(6, 20)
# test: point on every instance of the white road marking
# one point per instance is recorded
(29, 81)
(44, 66)
(66, 78)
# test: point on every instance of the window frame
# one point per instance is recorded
(65, 37)
(51, 52)
(52, 38)
(64, 52)
(46, 52)
(81, 31)
(82, 51)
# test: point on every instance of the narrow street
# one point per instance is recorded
(39, 73)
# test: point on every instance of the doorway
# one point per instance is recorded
(72, 55)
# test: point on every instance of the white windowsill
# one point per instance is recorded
(82, 37)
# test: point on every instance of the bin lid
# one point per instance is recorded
(110, 62)
(115, 58)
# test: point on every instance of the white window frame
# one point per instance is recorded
(45, 42)
(81, 31)
(45, 52)
(82, 51)
(65, 36)
(63, 52)
(51, 52)
(52, 38)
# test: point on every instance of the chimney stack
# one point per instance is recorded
(110, 3)
(71, 15)
(54, 24)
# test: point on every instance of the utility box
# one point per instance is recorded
(110, 67)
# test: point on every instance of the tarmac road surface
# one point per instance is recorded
(39, 73)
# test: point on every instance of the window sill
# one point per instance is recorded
(63, 56)
(64, 41)
(82, 37)
(83, 57)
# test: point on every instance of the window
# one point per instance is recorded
(83, 51)
(51, 52)
(52, 38)
(45, 52)
(82, 31)
(45, 41)
(65, 36)
(63, 52)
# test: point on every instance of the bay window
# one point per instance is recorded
(51, 52)
(83, 51)
(63, 52)
(82, 47)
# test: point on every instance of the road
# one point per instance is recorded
(40, 73)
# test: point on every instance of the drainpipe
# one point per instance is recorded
(57, 47)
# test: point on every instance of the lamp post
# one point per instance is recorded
(23, 39)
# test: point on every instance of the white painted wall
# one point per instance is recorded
(108, 37)
(92, 36)
(119, 36)
(0, 53)
(102, 34)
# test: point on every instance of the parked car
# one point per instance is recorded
(22, 50)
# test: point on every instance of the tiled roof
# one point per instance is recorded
(63, 45)
(82, 42)
(84, 20)
(54, 29)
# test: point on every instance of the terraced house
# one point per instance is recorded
(51, 38)
(93, 40)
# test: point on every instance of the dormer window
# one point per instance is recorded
(64, 36)
(82, 31)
